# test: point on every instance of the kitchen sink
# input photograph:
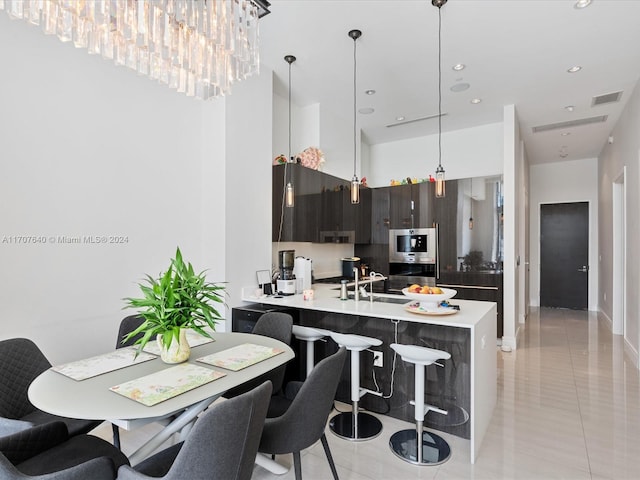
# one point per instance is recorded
(399, 300)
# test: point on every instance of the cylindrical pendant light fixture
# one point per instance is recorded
(289, 191)
(355, 183)
(440, 187)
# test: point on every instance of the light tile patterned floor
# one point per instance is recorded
(568, 408)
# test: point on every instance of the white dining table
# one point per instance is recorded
(92, 398)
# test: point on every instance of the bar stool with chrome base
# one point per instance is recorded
(309, 335)
(355, 425)
(404, 444)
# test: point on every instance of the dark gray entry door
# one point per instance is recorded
(564, 255)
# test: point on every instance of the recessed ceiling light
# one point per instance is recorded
(582, 4)
(564, 134)
(458, 66)
(574, 69)
(475, 101)
(564, 155)
(366, 110)
(400, 118)
(370, 92)
(569, 108)
(460, 87)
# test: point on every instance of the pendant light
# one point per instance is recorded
(289, 191)
(355, 183)
(440, 190)
(471, 206)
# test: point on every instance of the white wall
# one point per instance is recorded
(624, 152)
(90, 149)
(563, 182)
(305, 126)
(336, 141)
(472, 152)
(248, 184)
(514, 162)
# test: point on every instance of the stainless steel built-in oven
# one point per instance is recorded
(413, 257)
(412, 245)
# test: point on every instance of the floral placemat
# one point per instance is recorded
(108, 362)
(160, 386)
(193, 338)
(240, 357)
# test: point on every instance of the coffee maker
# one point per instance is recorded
(286, 283)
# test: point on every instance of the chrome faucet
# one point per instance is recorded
(356, 291)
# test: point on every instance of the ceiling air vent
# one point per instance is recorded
(412, 120)
(572, 123)
(606, 98)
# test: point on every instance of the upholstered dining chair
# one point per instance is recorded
(305, 420)
(276, 325)
(47, 452)
(22, 361)
(127, 324)
(222, 444)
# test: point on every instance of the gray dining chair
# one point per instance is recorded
(22, 361)
(222, 444)
(127, 324)
(47, 452)
(304, 422)
(276, 325)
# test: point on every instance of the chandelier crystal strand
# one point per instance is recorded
(197, 47)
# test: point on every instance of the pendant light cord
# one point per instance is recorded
(439, 87)
(354, 106)
(289, 157)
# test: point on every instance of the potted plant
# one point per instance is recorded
(178, 300)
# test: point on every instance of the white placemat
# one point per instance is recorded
(160, 386)
(242, 356)
(108, 362)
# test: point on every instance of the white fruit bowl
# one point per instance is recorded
(428, 300)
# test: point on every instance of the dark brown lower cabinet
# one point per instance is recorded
(477, 286)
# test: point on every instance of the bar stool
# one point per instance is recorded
(355, 425)
(404, 443)
(309, 335)
(445, 396)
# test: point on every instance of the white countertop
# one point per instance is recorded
(326, 299)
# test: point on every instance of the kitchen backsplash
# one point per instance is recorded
(325, 256)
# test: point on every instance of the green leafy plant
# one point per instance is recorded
(178, 298)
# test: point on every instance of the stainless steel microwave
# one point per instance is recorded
(412, 245)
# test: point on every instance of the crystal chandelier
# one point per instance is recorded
(198, 47)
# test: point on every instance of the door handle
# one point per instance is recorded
(585, 268)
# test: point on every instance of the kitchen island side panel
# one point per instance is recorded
(484, 378)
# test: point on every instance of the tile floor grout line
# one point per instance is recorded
(575, 384)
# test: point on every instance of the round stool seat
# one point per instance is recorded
(355, 425)
(309, 334)
(420, 355)
(355, 342)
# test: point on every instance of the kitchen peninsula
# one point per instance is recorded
(465, 387)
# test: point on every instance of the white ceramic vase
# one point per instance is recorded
(177, 352)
